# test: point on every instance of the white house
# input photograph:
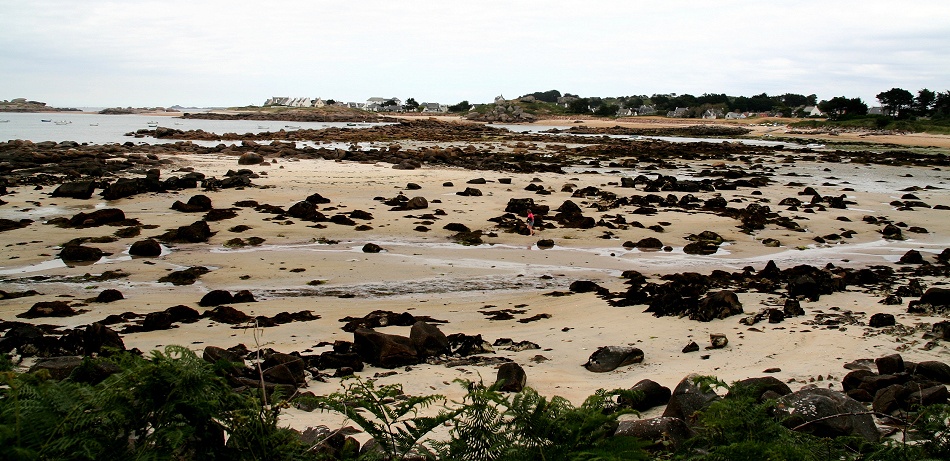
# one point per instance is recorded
(812, 111)
(434, 107)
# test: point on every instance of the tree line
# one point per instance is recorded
(896, 103)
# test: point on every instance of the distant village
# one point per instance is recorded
(396, 105)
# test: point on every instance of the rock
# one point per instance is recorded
(717, 341)
(892, 232)
(227, 314)
(97, 337)
(109, 295)
(700, 248)
(428, 340)
(941, 330)
(216, 298)
(284, 369)
(196, 232)
(660, 431)
(372, 248)
(805, 286)
(687, 399)
(244, 296)
(77, 189)
(384, 350)
(80, 253)
(608, 358)
(59, 368)
(185, 276)
(584, 286)
(649, 244)
(652, 395)
(466, 345)
(49, 309)
(97, 218)
(214, 354)
(889, 400)
(936, 371)
(912, 257)
(814, 410)
(146, 248)
(416, 203)
(889, 364)
(544, 244)
(250, 158)
(764, 385)
(512, 377)
(881, 320)
(691, 347)
(717, 305)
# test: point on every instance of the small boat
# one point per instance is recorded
(815, 145)
(93, 124)
(262, 127)
(4, 121)
(46, 120)
(292, 126)
(62, 122)
(350, 124)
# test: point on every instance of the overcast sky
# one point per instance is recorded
(236, 52)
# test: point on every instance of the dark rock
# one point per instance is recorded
(652, 395)
(185, 276)
(512, 377)
(941, 330)
(49, 309)
(584, 286)
(80, 253)
(688, 399)
(196, 204)
(888, 400)
(146, 248)
(892, 232)
(826, 413)
(889, 364)
(244, 296)
(881, 320)
(649, 244)
(227, 314)
(854, 379)
(372, 248)
(545, 244)
(661, 431)
(416, 203)
(78, 189)
(214, 354)
(250, 158)
(691, 347)
(936, 371)
(466, 345)
(98, 337)
(717, 305)
(196, 232)
(762, 385)
(216, 298)
(428, 340)
(97, 218)
(109, 295)
(912, 257)
(608, 358)
(384, 350)
(59, 368)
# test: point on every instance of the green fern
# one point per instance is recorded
(388, 415)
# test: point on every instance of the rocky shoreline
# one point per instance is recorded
(766, 256)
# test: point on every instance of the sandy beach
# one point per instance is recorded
(322, 268)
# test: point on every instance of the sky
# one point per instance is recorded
(145, 53)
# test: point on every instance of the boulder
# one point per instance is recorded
(689, 398)
(933, 370)
(196, 204)
(80, 253)
(608, 358)
(77, 189)
(250, 158)
(911, 257)
(97, 218)
(226, 314)
(216, 298)
(890, 364)
(109, 295)
(718, 305)
(428, 340)
(661, 431)
(384, 350)
(59, 368)
(826, 413)
(146, 248)
(652, 394)
(372, 248)
(881, 320)
(97, 337)
(49, 309)
(214, 354)
(511, 377)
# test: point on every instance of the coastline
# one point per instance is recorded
(427, 273)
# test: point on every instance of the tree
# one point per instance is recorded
(924, 102)
(390, 102)
(840, 106)
(896, 101)
(579, 106)
(411, 104)
(607, 110)
(941, 107)
(460, 107)
(545, 96)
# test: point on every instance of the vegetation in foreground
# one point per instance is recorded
(174, 405)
